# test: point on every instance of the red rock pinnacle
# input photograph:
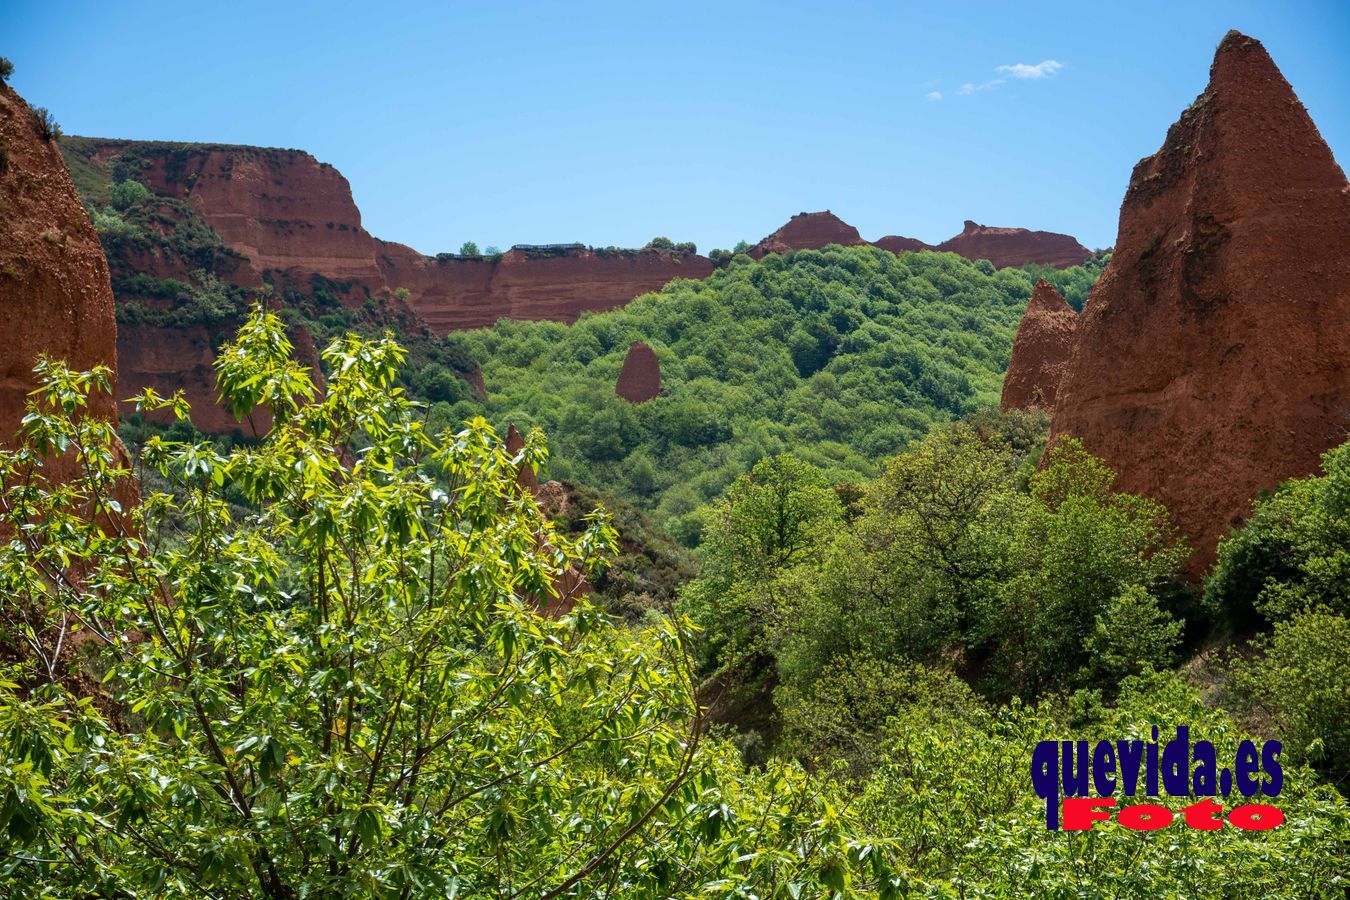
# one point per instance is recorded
(1213, 357)
(514, 444)
(640, 377)
(1044, 341)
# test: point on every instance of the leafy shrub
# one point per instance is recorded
(125, 194)
(1292, 554)
(45, 123)
(1300, 681)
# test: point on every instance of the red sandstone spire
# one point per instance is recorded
(1212, 359)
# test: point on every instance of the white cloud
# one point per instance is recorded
(933, 95)
(969, 88)
(1043, 69)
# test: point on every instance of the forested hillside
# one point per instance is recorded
(843, 355)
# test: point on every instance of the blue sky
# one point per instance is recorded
(611, 123)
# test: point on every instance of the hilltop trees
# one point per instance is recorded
(841, 355)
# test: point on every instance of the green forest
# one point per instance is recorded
(330, 664)
(841, 356)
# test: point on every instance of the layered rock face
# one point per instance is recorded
(554, 283)
(1012, 247)
(1212, 359)
(55, 296)
(640, 377)
(282, 209)
(290, 215)
(1003, 247)
(1041, 350)
(809, 231)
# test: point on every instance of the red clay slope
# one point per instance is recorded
(1041, 350)
(55, 297)
(1213, 357)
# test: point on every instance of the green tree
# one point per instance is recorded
(1292, 554)
(1301, 682)
(125, 194)
(773, 518)
(45, 123)
(469, 248)
(327, 673)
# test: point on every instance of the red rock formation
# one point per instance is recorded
(170, 359)
(289, 214)
(451, 293)
(895, 243)
(55, 297)
(1041, 350)
(1213, 357)
(640, 377)
(1001, 246)
(282, 209)
(1015, 246)
(514, 444)
(809, 231)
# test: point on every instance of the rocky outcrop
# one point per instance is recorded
(809, 231)
(169, 360)
(289, 217)
(1003, 247)
(55, 297)
(895, 243)
(1212, 359)
(1012, 247)
(1041, 350)
(640, 377)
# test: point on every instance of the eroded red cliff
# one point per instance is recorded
(554, 283)
(290, 216)
(1212, 359)
(1041, 350)
(809, 231)
(55, 297)
(1005, 247)
(895, 243)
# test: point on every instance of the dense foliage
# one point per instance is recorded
(348, 691)
(326, 671)
(1290, 565)
(841, 355)
(953, 558)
